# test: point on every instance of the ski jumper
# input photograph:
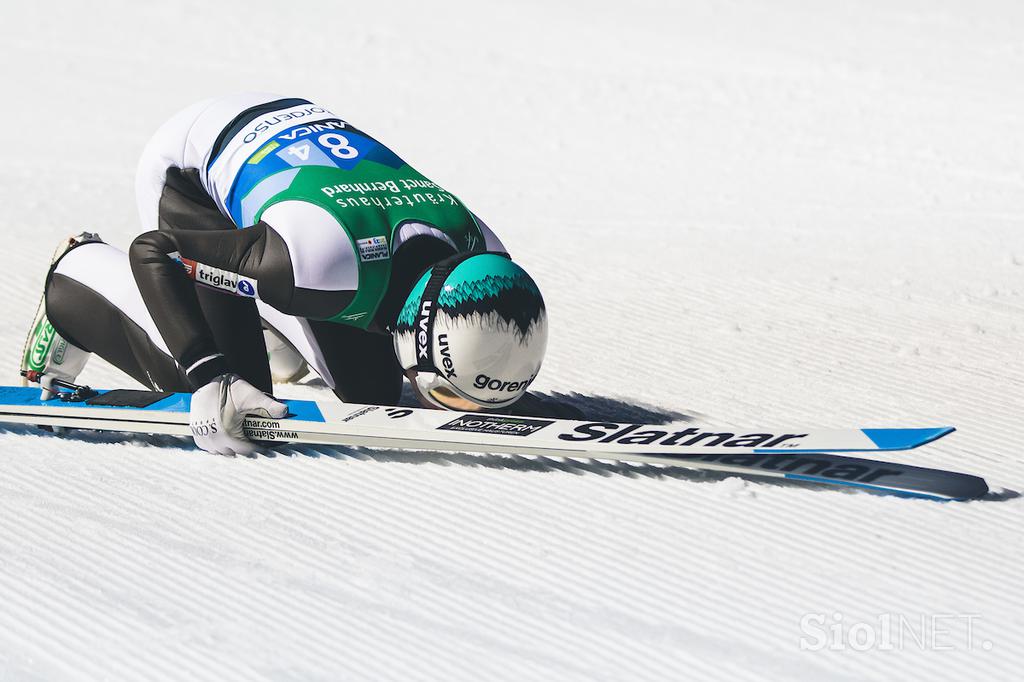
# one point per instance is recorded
(262, 210)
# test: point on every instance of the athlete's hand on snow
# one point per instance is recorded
(219, 408)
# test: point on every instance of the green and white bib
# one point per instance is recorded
(317, 160)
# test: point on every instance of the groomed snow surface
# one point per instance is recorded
(751, 213)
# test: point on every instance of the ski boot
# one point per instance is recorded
(46, 352)
(286, 364)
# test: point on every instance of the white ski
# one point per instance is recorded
(760, 452)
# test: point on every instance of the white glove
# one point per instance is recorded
(219, 408)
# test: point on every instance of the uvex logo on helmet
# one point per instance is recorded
(483, 381)
(446, 357)
(421, 334)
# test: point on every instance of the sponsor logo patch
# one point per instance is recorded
(225, 280)
(259, 429)
(189, 265)
(360, 412)
(41, 346)
(483, 381)
(373, 248)
(272, 121)
(506, 426)
(59, 351)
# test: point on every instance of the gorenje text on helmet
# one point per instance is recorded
(484, 381)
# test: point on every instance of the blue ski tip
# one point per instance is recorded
(905, 439)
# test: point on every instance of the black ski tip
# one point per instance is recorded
(974, 488)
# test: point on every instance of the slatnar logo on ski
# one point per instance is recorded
(807, 467)
(608, 432)
(262, 429)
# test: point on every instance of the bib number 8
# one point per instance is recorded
(338, 145)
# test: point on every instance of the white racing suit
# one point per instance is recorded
(259, 210)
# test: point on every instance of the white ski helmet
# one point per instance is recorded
(472, 332)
